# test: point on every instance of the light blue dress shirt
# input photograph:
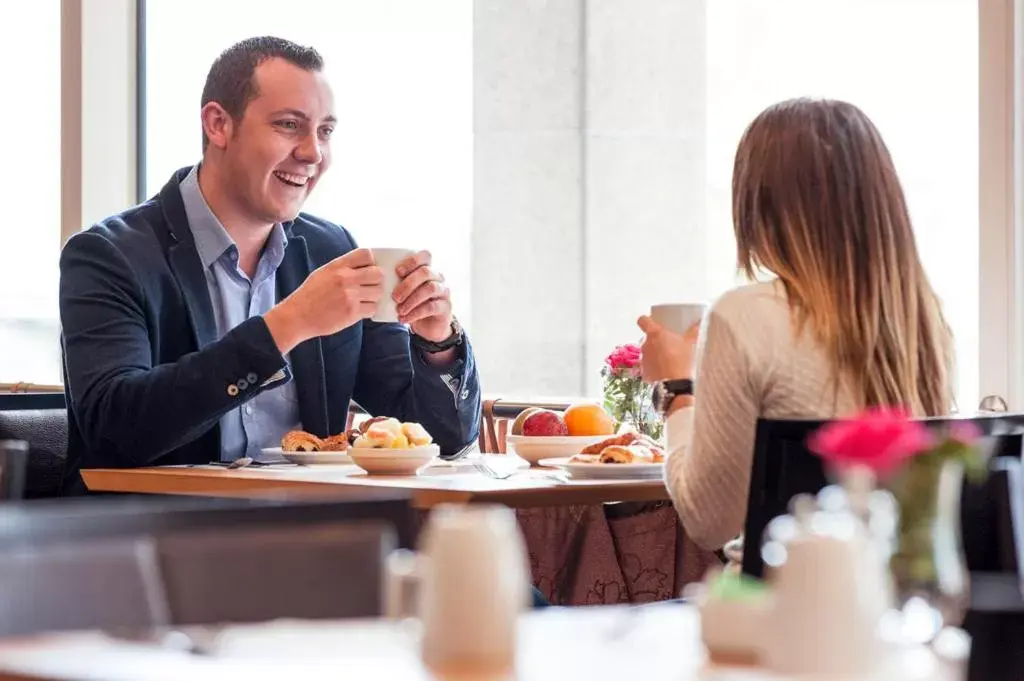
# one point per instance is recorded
(263, 420)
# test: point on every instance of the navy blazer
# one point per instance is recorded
(147, 380)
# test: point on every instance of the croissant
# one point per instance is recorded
(335, 443)
(627, 454)
(622, 440)
(300, 441)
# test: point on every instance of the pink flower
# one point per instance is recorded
(623, 357)
(879, 438)
(964, 432)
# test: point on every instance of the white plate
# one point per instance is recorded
(533, 448)
(308, 458)
(606, 471)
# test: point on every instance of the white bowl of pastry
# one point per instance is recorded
(390, 447)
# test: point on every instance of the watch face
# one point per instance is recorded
(658, 397)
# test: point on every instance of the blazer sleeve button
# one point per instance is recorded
(233, 390)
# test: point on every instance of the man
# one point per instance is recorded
(210, 320)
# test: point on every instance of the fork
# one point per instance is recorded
(491, 472)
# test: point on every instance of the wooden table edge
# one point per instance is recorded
(224, 483)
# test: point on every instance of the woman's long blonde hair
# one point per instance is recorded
(816, 202)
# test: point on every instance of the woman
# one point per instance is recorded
(848, 321)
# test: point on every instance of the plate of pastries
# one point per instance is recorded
(301, 447)
(378, 443)
(627, 454)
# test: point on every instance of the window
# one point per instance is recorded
(912, 66)
(30, 180)
(403, 172)
(401, 71)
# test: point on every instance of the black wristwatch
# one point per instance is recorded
(666, 391)
(453, 341)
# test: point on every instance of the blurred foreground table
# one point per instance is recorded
(651, 642)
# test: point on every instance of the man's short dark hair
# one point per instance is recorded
(230, 81)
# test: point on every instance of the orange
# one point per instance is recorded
(588, 419)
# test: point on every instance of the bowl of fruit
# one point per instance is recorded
(543, 433)
(390, 447)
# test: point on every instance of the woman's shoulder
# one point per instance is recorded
(760, 300)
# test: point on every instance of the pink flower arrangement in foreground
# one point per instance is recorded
(879, 438)
(882, 439)
(911, 458)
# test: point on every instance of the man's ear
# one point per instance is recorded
(217, 124)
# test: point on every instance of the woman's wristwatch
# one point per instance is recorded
(666, 391)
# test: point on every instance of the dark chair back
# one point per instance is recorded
(41, 420)
(13, 463)
(111, 584)
(991, 519)
(256, 574)
(995, 620)
(783, 467)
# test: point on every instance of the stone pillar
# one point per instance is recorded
(589, 182)
(644, 180)
(527, 266)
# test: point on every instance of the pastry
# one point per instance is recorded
(365, 425)
(380, 437)
(300, 441)
(389, 433)
(621, 440)
(334, 443)
(586, 458)
(394, 426)
(627, 454)
(416, 434)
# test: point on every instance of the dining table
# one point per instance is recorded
(658, 642)
(460, 481)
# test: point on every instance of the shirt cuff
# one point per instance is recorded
(679, 429)
(451, 375)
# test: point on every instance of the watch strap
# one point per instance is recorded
(452, 341)
(666, 391)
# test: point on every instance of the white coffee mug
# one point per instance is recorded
(469, 583)
(678, 317)
(387, 260)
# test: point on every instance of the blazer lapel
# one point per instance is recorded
(186, 265)
(307, 359)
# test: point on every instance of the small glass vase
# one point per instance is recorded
(629, 401)
(928, 568)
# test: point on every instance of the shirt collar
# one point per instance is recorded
(212, 240)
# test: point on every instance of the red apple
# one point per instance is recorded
(517, 425)
(544, 423)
